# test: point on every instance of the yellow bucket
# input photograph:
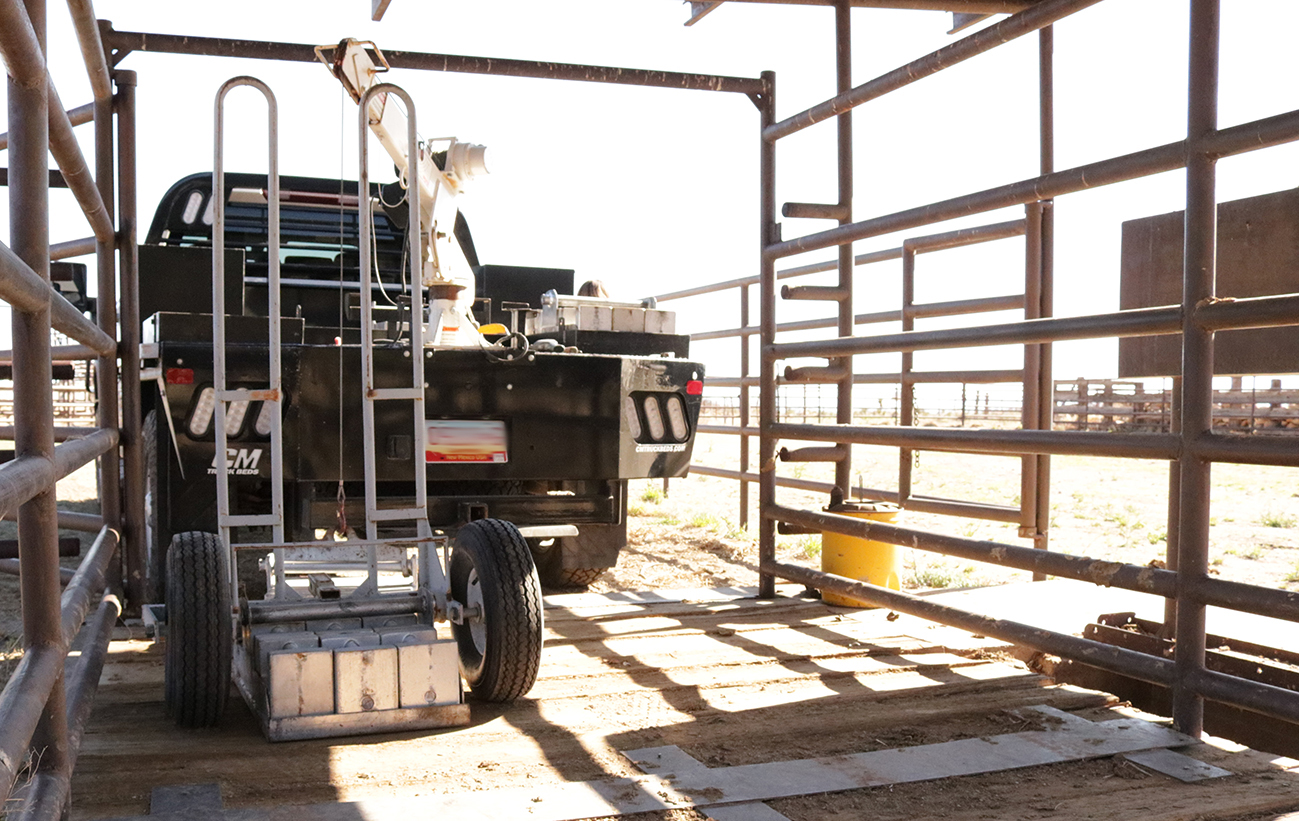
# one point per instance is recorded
(865, 560)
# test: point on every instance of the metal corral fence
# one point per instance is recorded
(45, 705)
(1190, 448)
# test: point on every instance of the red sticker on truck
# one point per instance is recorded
(465, 440)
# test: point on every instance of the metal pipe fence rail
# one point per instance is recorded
(1190, 447)
(45, 704)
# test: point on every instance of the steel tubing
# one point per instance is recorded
(61, 434)
(73, 248)
(920, 504)
(1138, 578)
(58, 353)
(1105, 656)
(1252, 450)
(1136, 322)
(962, 237)
(87, 583)
(923, 244)
(1248, 598)
(26, 291)
(790, 482)
(92, 48)
(12, 567)
(106, 385)
(1045, 276)
(844, 315)
(83, 680)
(918, 377)
(46, 798)
(23, 55)
(961, 307)
(767, 232)
(297, 52)
(133, 522)
(1276, 702)
(24, 477)
(1025, 22)
(1255, 312)
(76, 452)
(28, 107)
(76, 172)
(47, 794)
(22, 703)
(789, 273)
(80, 115)
(1198, 275)
(20, 286)
(1012, 442)
(968, 6)
(1238, 139)
(1265, 133)
(745, 384)
(273, 612)
(72, 520)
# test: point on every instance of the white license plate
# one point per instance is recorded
(465, 440)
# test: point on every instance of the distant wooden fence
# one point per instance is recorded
(74, 399)
(1111, 404)
(1083, 404)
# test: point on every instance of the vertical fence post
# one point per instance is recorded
(106, 411)
(745, 340)
(843, 82)
(1046, 283)
(132, 453)
(1031, 406)
(38, 535)
(768, 235)
(1201, 230)
(907, 407)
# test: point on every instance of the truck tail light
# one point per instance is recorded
(654, 418)
(235, 414)
(264, 418)
(201, 416)
(179, 376)
(633, 418)
(677, 418)
(695, 387)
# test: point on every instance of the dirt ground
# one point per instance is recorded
(1109, 509)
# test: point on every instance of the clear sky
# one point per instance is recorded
(654, 190)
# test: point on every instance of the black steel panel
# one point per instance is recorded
(180, 280)
(1258, 255)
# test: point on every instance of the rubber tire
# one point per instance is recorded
(555, 577)
(200, 633)
(505, 668)
(155, 557)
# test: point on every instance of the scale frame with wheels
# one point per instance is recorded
(347, 639)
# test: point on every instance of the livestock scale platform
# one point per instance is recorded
(700, 704)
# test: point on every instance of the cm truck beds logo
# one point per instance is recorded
(239, 461)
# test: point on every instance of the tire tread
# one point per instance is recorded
(512, 591)
(198, 648)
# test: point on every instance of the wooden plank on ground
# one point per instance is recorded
(701, 787)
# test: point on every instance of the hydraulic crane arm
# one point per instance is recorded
(442, 170)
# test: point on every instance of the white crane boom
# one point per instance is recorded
(443, 265)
